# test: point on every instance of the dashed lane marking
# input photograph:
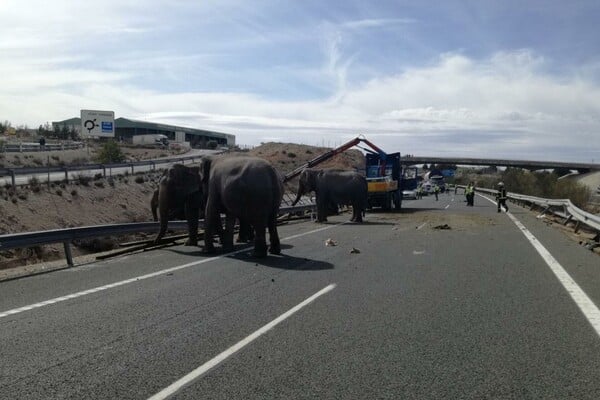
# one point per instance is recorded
(201, 370)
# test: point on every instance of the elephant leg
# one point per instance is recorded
(357, 213)
(212, 223)
(275, 247)
(260, 241)
(191, 215)
(227, 241)
(246, 232)
(321, 210)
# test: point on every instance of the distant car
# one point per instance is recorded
(410, 194)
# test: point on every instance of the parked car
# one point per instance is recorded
(410, 194)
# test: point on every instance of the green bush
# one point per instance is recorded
(110, 153)
(544, 184)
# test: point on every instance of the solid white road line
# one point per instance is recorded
(141, 278)
(585, 304)
(201, 370)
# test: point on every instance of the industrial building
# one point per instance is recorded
(126, 128)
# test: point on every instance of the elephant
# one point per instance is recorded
(246, 188)
(334, 187)
(179, 195)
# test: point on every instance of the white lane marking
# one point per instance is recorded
(585, 304)
(139, 278)
(422, 225)
(201, 370)
(445, 208)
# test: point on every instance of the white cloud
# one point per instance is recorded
(504, 105)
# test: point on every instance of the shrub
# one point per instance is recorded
(99, 184)
(37, 161)
(98, 176)
(59, 192)
(84, 180)
(74, 193)
(139, 179)
(110, 153)
(292, 155)
(33, 182)
(55, 158)
(22, 196)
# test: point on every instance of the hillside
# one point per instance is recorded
(120, 199)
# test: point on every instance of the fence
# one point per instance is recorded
(560, 207)
(66, 236)
(21, 147)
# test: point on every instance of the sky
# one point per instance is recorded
(496, 79)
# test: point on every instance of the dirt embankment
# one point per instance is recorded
(117, 199)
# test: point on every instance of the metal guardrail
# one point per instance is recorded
(68, 235)
(20, 147)
(569, 210)
(14, 172)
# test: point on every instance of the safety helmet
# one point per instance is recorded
(500, 183)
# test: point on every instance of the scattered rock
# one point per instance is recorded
(330, 242)
(354, 251)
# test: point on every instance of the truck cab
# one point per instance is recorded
(384, 180)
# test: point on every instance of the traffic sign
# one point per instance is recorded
(97, 123)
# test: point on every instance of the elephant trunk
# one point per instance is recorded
(163, 211)
(299, 195)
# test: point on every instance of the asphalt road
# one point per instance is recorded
(473, 311)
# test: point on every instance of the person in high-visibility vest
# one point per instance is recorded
(501, 197)
(470, 194)
(436, 191)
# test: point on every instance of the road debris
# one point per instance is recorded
(330, 242)
(444, 226)
(354, 251)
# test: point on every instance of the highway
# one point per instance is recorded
(475, 311)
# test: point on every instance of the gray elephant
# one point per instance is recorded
(334, 186)
(246, 188)
(179, 196)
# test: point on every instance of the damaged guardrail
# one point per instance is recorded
(68, 235)
(563, 208)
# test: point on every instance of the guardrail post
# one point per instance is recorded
(131, 169)
(104, 171)
(12, 177)
(567, 220)
(153, 165)
(66, 175)
(68, 253)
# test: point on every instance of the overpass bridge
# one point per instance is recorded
(527, 164)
